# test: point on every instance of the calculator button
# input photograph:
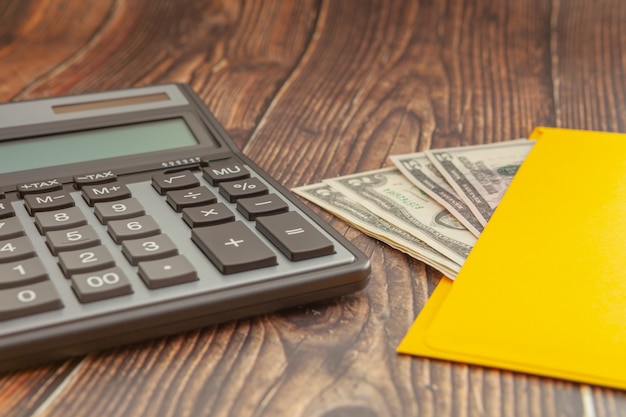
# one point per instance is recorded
(10, 227)
(264, 205)
(208, 215)
(6, 210)
(101, 285)
(27, 300)
(294, 236)
(85, 260)
(16, 249)
(72, 239)
(96, 178)
(147, 249)
(47, 202)
(250, 187)
(39, 187)
(232, 247)
(190, 197)
(21, 273)
(224, 170)
(164, 182)
(99, 193)
(135, 228)
(47, 221)
(118, 210)
(166, 272)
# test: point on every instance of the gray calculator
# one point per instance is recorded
(131, 214)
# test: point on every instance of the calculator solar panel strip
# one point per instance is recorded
(131, 214)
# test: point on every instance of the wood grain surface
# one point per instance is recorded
(312, 89)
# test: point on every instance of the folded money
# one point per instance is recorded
(432, 205)
(369, 223)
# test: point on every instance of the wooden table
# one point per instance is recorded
(312, 89)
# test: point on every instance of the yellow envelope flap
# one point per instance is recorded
(544, 289)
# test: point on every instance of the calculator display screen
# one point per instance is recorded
(95, 144)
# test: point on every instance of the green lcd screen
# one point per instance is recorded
(95, 144)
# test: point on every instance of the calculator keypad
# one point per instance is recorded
(215, 228)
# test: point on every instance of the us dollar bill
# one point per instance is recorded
(480, 174)
(420, 171)
(369, 223)
(388, 194)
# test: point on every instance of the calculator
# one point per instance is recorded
(130, 214)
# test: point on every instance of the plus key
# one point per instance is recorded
(232, 247)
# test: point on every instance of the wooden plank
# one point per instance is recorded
(23, 392)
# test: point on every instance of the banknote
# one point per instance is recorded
(480, 174)
(420, 171)
(358, 216)
(388, 194)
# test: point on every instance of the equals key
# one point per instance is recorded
(294, 236)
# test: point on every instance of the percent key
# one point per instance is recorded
(249, 187)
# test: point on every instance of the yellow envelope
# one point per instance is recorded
(544, 289)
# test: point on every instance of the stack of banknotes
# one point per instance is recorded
(432, 205)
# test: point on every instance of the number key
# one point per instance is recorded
(100, 285)
(24, 272)
(135, 228)
(155, 247)
(6, 210)
(31, 299)
(16, 249)
(118, 210)
(85, 260)
(72, 239)
(10, 227)
(57, 220)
